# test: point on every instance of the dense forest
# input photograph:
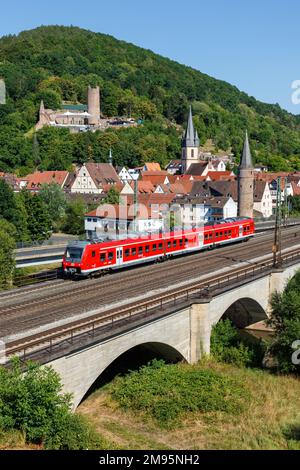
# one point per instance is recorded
(57, 63)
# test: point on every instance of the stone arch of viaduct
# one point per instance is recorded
(182, 335)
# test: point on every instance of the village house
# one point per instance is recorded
(34, 181)
(119, 221)
(92, 177)
(262, 199)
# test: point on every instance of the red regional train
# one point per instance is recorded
(85, 258)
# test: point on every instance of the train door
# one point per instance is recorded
(119, 256)
(241, 231)
(201, 238)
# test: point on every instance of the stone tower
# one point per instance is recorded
(94, 105)
(245, 182)
(190, 145)
(44, 119)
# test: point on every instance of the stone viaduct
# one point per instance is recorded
(182, 334)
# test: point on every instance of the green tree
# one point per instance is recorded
(38, 219)
(34, 404)
(7, 256)
(12, 209)
(285, 320)
(55, 200)
(75, 212)
(112, 196)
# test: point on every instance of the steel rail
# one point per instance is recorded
(203, 289)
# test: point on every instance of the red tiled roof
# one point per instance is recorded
(220, 175)
(153, 178)
(102, 173)
(152, 166)
(144, 186)
(35, 180)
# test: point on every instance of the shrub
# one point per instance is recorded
(227, 346)
(166, 392)
(33, 404)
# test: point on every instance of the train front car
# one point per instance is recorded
(73, 258)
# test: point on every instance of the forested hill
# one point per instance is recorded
(57, 63)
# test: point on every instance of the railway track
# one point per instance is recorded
(40, 307)
(74, 330)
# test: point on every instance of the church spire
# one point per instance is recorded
(190, 138)
(42, 107)
(246, 159)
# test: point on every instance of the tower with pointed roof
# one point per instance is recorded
(189, 145)
(245, 182)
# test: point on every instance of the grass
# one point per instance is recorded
(20, 272)
(267, 415)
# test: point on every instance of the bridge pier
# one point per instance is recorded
(200, 330)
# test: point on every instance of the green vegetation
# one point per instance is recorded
(74, 220)
(112, 196)
(285, 320)
(228, 346)
(294, 204)
(57, 63)
(55, 201)
(33, 404)
(166, 392)
(268, 418)
(7, 247)
(26, 212)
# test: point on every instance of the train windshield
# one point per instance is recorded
(74, 253)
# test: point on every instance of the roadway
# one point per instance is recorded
(28, 310)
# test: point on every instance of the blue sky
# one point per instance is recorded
(253, 45)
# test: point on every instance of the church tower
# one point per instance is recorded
(190, 145)
(245, 182)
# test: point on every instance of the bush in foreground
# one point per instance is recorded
(33, 404)
(166, 392)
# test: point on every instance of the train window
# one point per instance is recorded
(127, 252)
(140, 250)
(102, 257)
(186, 242)
(229, 233)
(169, 244)
(174, 243)
(225, 233)
(93, 254)
(181, 242)
(147, 248)
(133, 251)
(221, 234)
(110, 255)
(206, 236)
(160, 246)
(217, 234)
(210, 236)
(154, 247)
